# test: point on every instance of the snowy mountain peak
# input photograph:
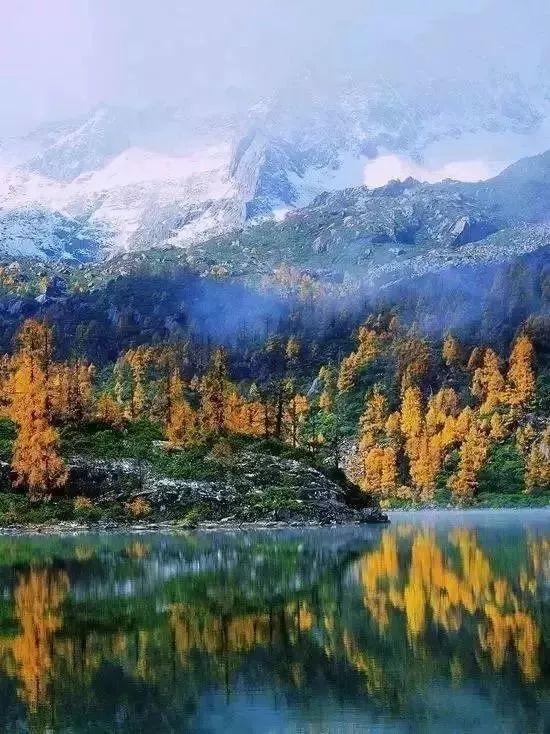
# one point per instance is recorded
(138, 178)
(88, 147)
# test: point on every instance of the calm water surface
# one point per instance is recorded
(437, 623)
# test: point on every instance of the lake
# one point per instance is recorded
(439, 622)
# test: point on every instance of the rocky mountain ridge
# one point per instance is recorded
(399, 230)
(132, 179)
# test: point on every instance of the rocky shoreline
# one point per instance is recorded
(373, 516)
(247, 490)
(251, 488)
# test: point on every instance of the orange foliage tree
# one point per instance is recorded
(488, 383)
(473, 452)
(521, 379)
(380, 470)
(36, 461)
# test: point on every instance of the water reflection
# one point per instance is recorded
(333, 630)
(452, 586)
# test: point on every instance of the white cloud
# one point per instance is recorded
(470, 157)
(390, 167)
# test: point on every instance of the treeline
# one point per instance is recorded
(404, 416)
(98, 312)
(41, 395)
(448, 412)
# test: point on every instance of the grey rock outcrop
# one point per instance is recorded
(254, 487)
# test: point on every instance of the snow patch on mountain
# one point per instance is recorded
(133, 179)
(349, 170)
(43, 234)
(120, 199)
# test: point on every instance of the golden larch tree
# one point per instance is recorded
(440, 406)
(525, 435)
(392, 427)
(488, 384)
(373, 419)
(36, 461)
(368, 345)
(414, 357)
(498, 429)
(109, 411)
(464, 422)
(449, 434)
(346, 374)
(411, 412)
(181, 429)
(138, 361)
(70, 390)
(475, 360)
(380, 470)
(425, 463)
(521, 378)
(473, 453)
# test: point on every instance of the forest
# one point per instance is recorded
(408, 417)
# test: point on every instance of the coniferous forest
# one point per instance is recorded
(158, 374)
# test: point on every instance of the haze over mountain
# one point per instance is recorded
(170, 128)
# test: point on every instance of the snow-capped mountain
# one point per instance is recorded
(127, 179)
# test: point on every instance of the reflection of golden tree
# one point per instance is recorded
(138, 549)
(430, 589)
(219, 635)
(539, 556)
(380, 564)
(215, 634)
(369, 667)
(84, 552)
(516, 629)
(38, 598)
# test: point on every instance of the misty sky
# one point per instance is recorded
(58, 58)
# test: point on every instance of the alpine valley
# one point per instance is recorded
(275, 367)
(293, 310)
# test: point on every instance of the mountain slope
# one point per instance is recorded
(398, 229)
(166, 176)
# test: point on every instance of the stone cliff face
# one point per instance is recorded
(403, 229)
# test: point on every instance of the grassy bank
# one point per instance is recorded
(256, 471)
(128, 475)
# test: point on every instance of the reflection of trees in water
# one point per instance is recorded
(428, 587)
(138, 549)
(38, 597)
(220, 635)
(366, 625)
